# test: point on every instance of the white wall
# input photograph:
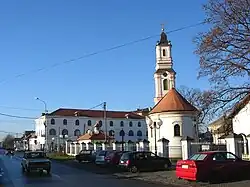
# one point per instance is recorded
(241, 121)
(167, 130)
(71, 127)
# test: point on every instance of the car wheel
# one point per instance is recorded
(133, 169)
(48, 171)
(166, 166)
(79, 161)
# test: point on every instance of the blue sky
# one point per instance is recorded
(37, 34)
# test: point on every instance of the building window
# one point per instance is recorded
(130, 133)
(111, 133)
(177, 130)
(52, 132)
(111, 124)
(89, 122)
(130, 124)
(100, 123)
(151, 132)
(122, 133)
(65, 122)
(165, 84)
(139, 124)
(77, 122)
(122, 124)
(52, 121)
(164, 52)
(147, 133)
(77, 132)
(139, 133)
(65, 132)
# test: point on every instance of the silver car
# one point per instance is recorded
(100, 157)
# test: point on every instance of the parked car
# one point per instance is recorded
(100, 157)
(1, 175)
(113, 158)
(86, 155)
(212, 166)
(35, 161)
(142, 160)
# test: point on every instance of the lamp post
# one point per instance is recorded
(45, 122)
(156, 125)
(63, 137)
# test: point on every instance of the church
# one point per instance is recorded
(172, 118)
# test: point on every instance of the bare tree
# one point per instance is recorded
(8, 141)
(203, 101)
(224, 50)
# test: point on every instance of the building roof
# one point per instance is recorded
(163, 39)
(99, 136)
(240, 105)
(173, 101)
(94, 113)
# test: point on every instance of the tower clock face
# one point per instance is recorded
(165, 74)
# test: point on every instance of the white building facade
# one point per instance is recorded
(69, 124)
(173, 117)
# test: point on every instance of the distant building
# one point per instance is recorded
(66, 123)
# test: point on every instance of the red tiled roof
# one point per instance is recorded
(173, 101)
(99, 136)
(94, 113)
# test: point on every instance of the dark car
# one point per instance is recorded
(1, 175)
(113, 158)
(86, 155)
(35, 161)
(143, 161)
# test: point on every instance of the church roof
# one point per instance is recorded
(173, 101)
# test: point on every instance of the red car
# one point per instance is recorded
(213, 166)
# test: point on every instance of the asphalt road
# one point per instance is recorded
(62, 176)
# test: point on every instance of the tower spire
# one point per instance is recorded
(162, 27)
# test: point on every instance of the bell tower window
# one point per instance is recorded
(165, 84)
(164, 52)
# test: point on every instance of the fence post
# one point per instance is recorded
(186, 147)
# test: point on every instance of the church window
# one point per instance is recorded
(165, 84)
(151, 132)
(177, 130)
(164, 52)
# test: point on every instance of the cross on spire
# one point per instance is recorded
(162, 27)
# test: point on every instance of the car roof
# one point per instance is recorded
(212, 152)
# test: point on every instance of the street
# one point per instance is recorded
(62, 175)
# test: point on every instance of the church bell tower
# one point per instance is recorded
(164, 75)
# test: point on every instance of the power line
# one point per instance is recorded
(18, 108)
(99, 52)
(14, 116)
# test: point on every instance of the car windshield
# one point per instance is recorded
(102, 153)
(201, 156)
(35, 155)
(125, 156)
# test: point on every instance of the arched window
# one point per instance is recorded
(177, 130)
(65, 132)
(122, 133)
(139, 133)
(164, 52)
(52, 132)
(52, 121)
(130, 133)
(111, 124)
(100, 123)
(77, 132)
(89, 123)
(139, 124)
(165, 84)
(65, 122)
(77, 122)
(111, 133)
(122, 124)
(131, 124)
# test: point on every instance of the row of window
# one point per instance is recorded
(77, 132)
(111, 123)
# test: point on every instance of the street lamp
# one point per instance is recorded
(45, 121)
(62, 136)
(156, 125)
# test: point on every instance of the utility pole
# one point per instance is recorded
(105, 119)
